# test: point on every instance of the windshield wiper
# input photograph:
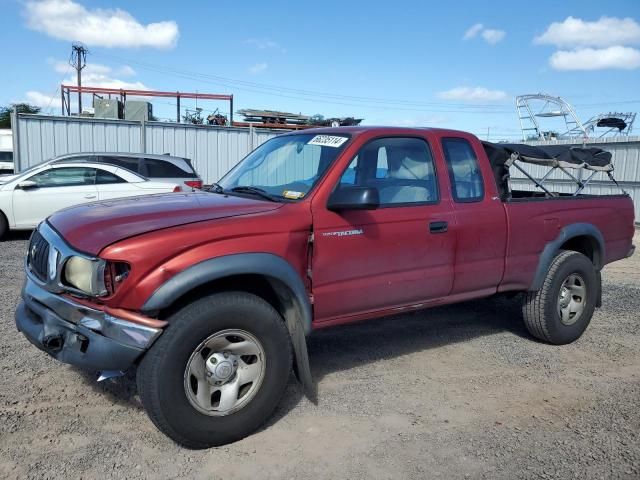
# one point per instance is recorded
(253, 191)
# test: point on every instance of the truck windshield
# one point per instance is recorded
(286, 166)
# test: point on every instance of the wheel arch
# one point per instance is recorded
(583, 238)
(269, 276)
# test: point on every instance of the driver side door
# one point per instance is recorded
(52, 189)
(398, 255)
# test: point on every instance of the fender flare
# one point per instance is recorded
(552, 248)
(298, 314)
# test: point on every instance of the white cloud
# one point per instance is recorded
(41, 100)
(67, 20)
(604, 32)
(97, 75)
(489, 35)
(257, 68)
(105, 81)
(492, 36)
(126, 71)
(473, 94)
(262, 43)
(473, 31)
(617, 57)
(90, 68)
(61, 67)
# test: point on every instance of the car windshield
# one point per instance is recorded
(286, 166)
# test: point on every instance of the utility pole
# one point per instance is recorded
(78, 61)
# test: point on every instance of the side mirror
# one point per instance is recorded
(354, 198)
(27, 185)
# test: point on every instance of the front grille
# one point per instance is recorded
(38, 256)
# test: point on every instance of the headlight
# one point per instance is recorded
(86, 275)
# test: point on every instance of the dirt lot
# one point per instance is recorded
(456, 392)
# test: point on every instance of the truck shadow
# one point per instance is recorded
(349, 346)
(345, 347)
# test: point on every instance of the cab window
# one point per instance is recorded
(464, 171)
(401, 169)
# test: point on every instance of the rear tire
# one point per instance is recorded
(561, 310)
(4, 225)
(170, 392)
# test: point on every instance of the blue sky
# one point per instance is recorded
(456, 65)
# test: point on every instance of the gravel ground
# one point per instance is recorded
(455, 392)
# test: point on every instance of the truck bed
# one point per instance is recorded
(529, 212)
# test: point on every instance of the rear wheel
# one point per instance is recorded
(4, 225)
(561, 310)
(219, 370)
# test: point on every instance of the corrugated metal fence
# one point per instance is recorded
(626, 161)
(212, 150)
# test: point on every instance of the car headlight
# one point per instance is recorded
(86, 275)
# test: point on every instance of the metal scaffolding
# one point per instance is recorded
(122, 94)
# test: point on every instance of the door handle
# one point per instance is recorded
(90, 195)
(438, 227)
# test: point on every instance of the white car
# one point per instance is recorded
(161, 168)
(31, 196)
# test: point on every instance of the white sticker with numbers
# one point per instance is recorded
(327, 141)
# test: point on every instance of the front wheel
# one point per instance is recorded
(218, 371)
(561, 310)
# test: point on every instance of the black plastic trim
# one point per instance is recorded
(265, 264)
(438, 227)
(552, 248)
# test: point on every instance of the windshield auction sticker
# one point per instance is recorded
(327, 141)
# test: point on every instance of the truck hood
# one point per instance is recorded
(92, 226)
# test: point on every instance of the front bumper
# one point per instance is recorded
(75, 334)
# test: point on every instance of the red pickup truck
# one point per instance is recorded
(211, 295)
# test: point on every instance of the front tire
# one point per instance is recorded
(561, 310)
(218, 371)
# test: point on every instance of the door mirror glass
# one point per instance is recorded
(354, 198)
(27, 185)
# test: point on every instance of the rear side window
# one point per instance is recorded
(131, 164)
(164, 169)
(103, 178)
(464, 171)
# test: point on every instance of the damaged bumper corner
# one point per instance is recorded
(75, 334)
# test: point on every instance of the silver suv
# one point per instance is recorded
(164, 168)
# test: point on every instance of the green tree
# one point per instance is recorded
(5, 112)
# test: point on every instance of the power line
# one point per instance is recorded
(298, 94)
(335, 99)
